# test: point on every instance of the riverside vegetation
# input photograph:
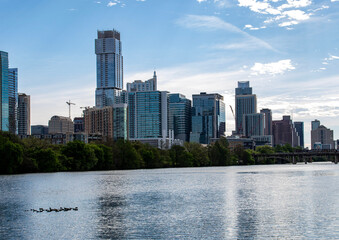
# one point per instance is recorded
(32, 155)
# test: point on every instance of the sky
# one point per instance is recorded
(287, 49)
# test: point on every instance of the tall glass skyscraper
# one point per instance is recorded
(4, 107)
(245, 103)
(13, 99)
(179, 112)
(109, 67)
(208, 117)
(299, 127)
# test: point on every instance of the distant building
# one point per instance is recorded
(24, 114)
(180, 116)
(59, 124)
(267, 120)
(315, 124)
(208, 117)
(39, 130)
(284, 132)
(299, 127)
(108, 122)
(79, 124)
(245, 103)
(253, 124)
(13, 99)
(109, 67)
(140, 86)
(324, 136)
(4, 106)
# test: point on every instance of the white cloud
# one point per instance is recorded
(111, 4)
(208, 23)
(272, 68)
(200, 1)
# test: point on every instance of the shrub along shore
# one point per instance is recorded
(33, 155)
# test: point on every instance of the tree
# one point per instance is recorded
(126, 157)
(199, 154)
(180, 157)
(47, 160)
(11, 156)
(219, 153)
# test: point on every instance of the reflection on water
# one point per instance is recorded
(255, 202)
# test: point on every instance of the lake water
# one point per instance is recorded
(250, 202)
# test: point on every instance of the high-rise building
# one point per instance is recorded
(109, 67)
(284, 132)
(208, 117)
(39, 130)
(148, 114)
(267, 121)
(299, 127)
(139, 86)
(179, 112)
(13, 99)
(245, 103)
(24, 114)
(79, 124)
(324, 136)
(4, 106)
(110, 121)
(253, 124)
(315, 124)
(60, 124)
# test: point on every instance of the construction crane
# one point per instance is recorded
(69, 103)
(232, 111)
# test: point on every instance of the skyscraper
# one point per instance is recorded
(13, 99)
(208, 117)
(324, 136)
(109, 67)
(315, 124)
(138, 85)
(299, 127)
(245, 103)
(24, 114)
(284, 132)
(4, 106)
(253, 124)
(267, 121)
(179, 112)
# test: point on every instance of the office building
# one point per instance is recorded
(245, 103)
(253, 124)
(13, 99)
(109, 67)
(60, 124)
(179, 112)
(110, 122)
(139, 86)
(315, 124)
(323, 136)
(208, 117)
(4, 106)
(39, 130)
(299, 127)
(284, 132)
(267, 120)
(79, 124)
(24, 114)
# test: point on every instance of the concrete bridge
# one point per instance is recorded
(303, 156)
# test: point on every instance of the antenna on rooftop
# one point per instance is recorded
(69, 103)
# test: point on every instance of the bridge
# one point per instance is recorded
(294, 157)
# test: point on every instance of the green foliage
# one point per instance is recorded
(219, 153)
(105, 157)
(11, 154)
(47, 160)
(126, 157)
(199, 154)
(80, 157)
(265, 149)
(180, 157)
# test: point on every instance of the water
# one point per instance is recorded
(250, 202)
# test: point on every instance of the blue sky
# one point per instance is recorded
(287, 49)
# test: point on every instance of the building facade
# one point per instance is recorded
(13, 99)
(4, 106)
(179, 112)
(109, 67)
(267, 120)
(253, 124)
(39, 130)
(142, 86)
(108, 122)
(323, 136)
(299, 127)
(245, 103)
(60, 124)
(24, 114)
(79, 124)
(208, 117)
(284, 132)
(315, 124)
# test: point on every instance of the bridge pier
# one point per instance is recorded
(336, 159)
(294, 160)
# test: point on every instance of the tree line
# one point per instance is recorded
(33, 155)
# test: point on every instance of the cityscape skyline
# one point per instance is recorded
(276, 83)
